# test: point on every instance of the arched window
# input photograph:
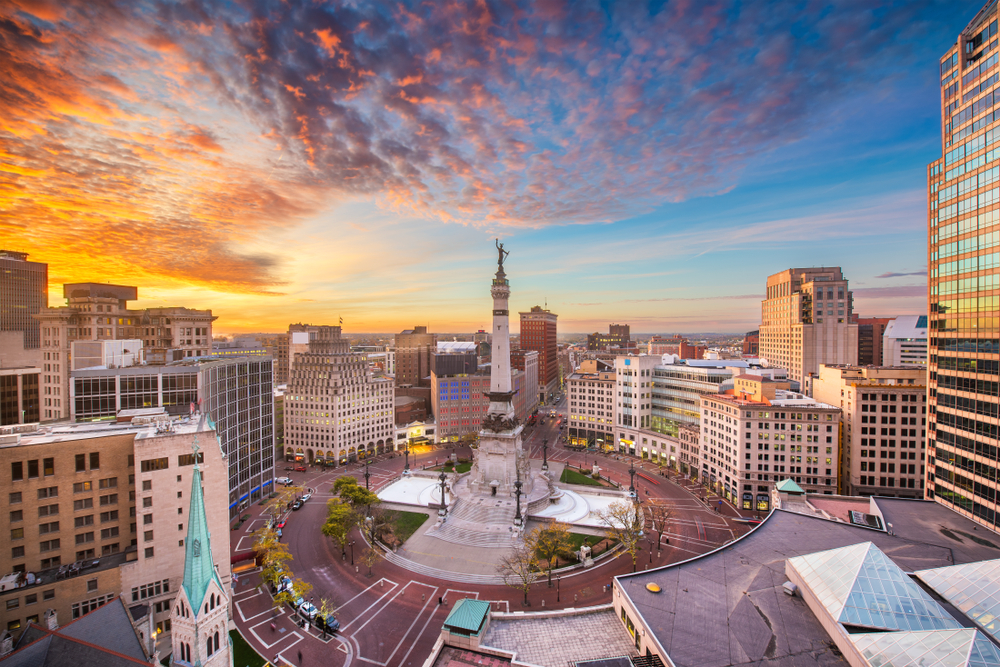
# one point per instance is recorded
(210, 646)
(216, 640)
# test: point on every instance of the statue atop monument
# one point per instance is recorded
(502, 254)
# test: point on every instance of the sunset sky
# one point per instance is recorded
(644, 163)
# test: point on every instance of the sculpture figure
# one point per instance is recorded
(501, 253)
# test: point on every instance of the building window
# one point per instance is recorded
(16, 471)
(95, 460)
(15, 498)
(149, 552)
(48, 467)
(81, 462)
(17, 552)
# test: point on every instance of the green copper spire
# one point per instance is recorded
(198, 567)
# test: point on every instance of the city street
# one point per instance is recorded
(393, 617)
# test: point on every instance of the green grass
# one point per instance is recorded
(573, 477)
(407, 524)
(463, 466)
(243, 655)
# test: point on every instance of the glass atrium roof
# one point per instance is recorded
(964, 647)
(974, 589)
(859, 585)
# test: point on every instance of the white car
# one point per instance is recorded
(285, 585)
(286, 481)
(306, 497)
(307, 610)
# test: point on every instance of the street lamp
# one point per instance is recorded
(557, 589)
(631, 478)
(545, 454)
(406, 453)
(367, 477)
(444, 506)
(351, 544)
(517, 495)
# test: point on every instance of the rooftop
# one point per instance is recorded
(728, 607)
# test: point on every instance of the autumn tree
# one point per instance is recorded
(623, 524)
(278, 505)
(341, 517)
(327, 610)
(371, 556)
(298, 589)
(660, 516)
(519, 568)
(272, 554)
(551, 541)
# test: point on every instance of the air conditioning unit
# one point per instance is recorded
(789, 588)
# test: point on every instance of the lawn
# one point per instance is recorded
(573, 477)
(243, 655)
(407, 524)
(460, 468)
(597, 543)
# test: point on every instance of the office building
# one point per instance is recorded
(883, 439)
(538, 333)
(526, 361)
(678, 387)
(460, 402)
(763, 434)
(806, 320)
(618, 338)
(106, 353)
(99, 312)
(678, 346)
(963, 354)
(751, 344)
(870, 331)
(336, 408)
(236, 393)
(20, 397)
(454, 358)
(94, 512)
(590, 395)
(24, 292)
(904, 342)
(414, 349)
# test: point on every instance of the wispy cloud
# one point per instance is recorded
(890, 274)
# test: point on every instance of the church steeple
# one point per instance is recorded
(199, 570)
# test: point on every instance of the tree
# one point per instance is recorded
(327, 610)
(382, 521)
(371, 556)
(623, 524)
(342, 483)
(659, 518)
(340, 519)
(358, 496)
(551, 541)
(278, 505)
(274, 555)
(298, 589)
(519, 568)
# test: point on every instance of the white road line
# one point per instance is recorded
(377, 583)
(419, 634)
(373, 604)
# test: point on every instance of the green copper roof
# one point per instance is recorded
(198, 567)
(467, 616)
(789, 486)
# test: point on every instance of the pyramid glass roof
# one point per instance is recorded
(859, 585)
(973, 588)
(962, 647)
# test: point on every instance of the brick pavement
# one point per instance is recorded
(561, 641)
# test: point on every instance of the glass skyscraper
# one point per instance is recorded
(964, 277)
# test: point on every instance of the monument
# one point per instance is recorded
(500, 462)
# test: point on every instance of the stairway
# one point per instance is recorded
(479, 522)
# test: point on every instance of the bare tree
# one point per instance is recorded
(519, 568)
(624, 525)
(660, 515)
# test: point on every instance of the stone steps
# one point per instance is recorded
(460, 577)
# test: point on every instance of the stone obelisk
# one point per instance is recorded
(499, 460)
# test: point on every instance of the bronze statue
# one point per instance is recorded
(502, 254)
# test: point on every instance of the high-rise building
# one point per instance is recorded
(19, 395)
(538, 333)
(882, 443)
(806, 320)
(98, 311)
(751, 344)
(618, 338)
(336, 409)
(963, 354)
(870, 331)
(763, 434)
(526, 361)
(236, 393)
(590, 393)
(414, 349)
(904, 342)
(24, 291)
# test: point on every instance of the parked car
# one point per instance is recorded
(285, 584)
(328, 623)
(286, 481)
(297, 505)
(289, 468)
(300, 468)
(306, 609)
(306, 497)
(280, 525)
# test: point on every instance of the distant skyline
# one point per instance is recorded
(644, 163)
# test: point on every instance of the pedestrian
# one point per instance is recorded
(273, 626)
(440, 600)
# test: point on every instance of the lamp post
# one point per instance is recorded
(557, 589)
(367, 477)
(631, 478)
(517, 495)
(444, 505)
(545, 454)
(351, 544)
(406, 453)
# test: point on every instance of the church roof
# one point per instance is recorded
(198, 567)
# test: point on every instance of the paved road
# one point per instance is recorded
(393, 617)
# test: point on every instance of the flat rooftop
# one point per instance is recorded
(83, 431)
(728, 608)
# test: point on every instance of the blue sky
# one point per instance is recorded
(648, 164)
